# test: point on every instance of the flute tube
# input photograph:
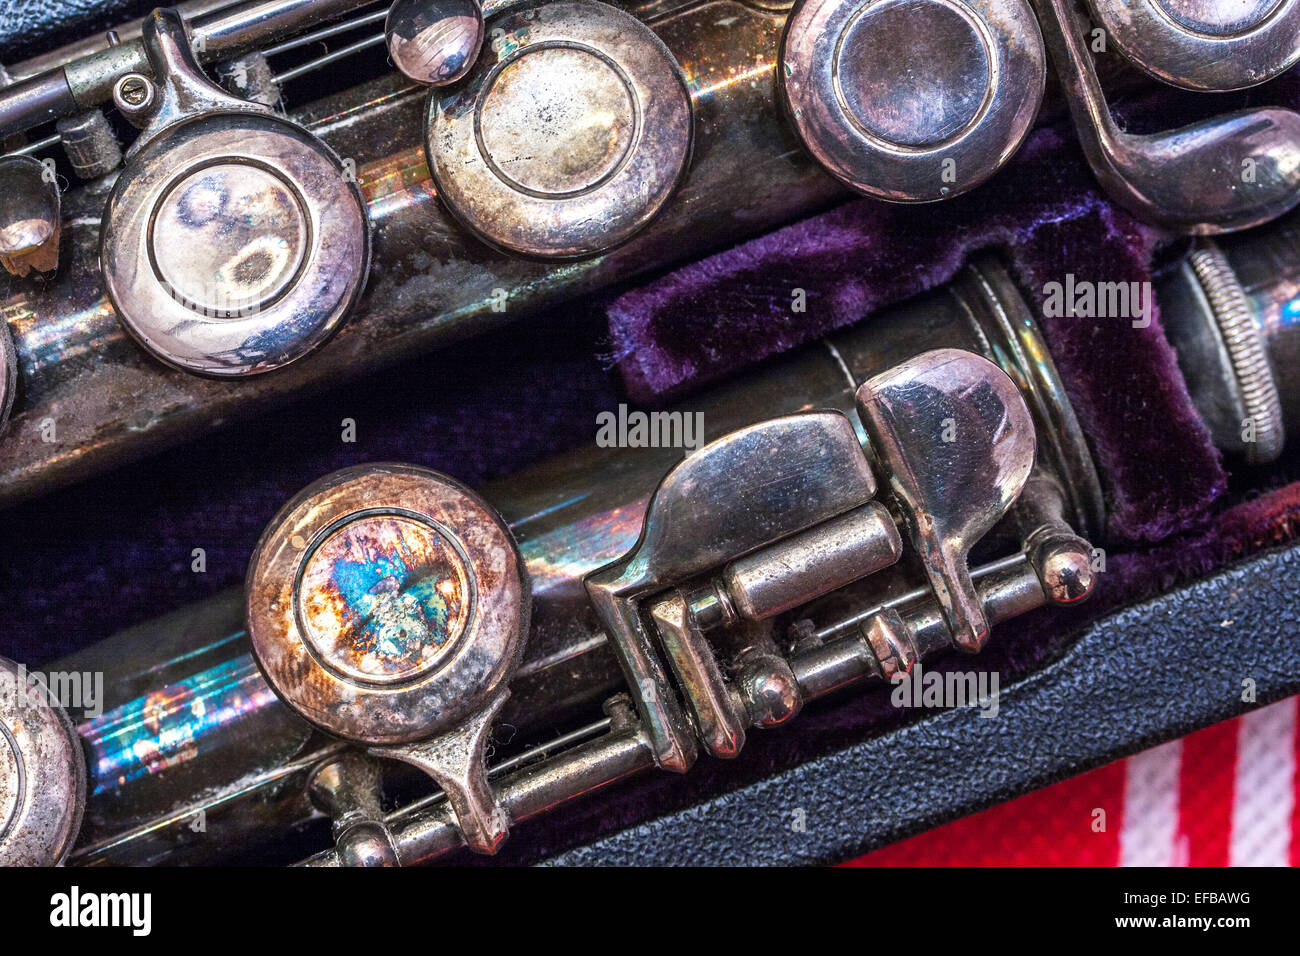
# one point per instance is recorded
(183, 695)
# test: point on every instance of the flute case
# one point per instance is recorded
(1190, 543)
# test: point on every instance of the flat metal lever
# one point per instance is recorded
(953, 436)
(742, 492)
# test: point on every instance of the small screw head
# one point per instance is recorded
(133, 93)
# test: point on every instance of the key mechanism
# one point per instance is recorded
(912, 100)
(771, 517)
(1218, 175)
(388, 605)
(568, 135)
(954, 437)
(234, 241)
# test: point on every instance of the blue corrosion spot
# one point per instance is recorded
(392, 605)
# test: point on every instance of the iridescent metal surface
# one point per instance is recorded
(172, 725)
(387, 604)
(233, 242)
(434, 41)
(569, 134)
(384, 598)
(114, 403)
(912, 100)
(1205, 44)
(42, 772)
(225, 740)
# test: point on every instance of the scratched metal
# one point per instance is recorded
(431, 283)
(569, 515)
(384, 598)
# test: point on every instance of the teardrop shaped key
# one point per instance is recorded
(955, 440)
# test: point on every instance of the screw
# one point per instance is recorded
(133, 93)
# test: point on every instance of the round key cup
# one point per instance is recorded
(234, 241)
(388, 605)
(912, 100)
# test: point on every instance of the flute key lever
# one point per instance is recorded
(955, 439)
(784, 509)
(389, 606)
(736, 495)
(233, 242)
(1219, 175)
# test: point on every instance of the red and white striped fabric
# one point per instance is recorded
(1223, 796)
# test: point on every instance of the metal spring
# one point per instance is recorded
(1245, 344)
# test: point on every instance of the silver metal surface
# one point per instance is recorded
(568, 135)
(83, 75)
(912, 100)
(891, 642)
(387, 603)
(30, 217)
(457, 761)
(251, 77)
(761, 585)
(8, 373)
(849, 650)
(735, 495)
(1061, 559)
(114, 403)
(759, 674)
(42, 772)
(348, 787)
(434, 42)
(1205, 44)
(1219, 175)
(809, 564)
(718, 714)
(956, 441)
(90, 144)
(1223, 352)
(1266, 264)
(571, 516)
(233, 243)
(1243, 340)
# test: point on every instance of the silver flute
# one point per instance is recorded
(515, 155)
(623, 609)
